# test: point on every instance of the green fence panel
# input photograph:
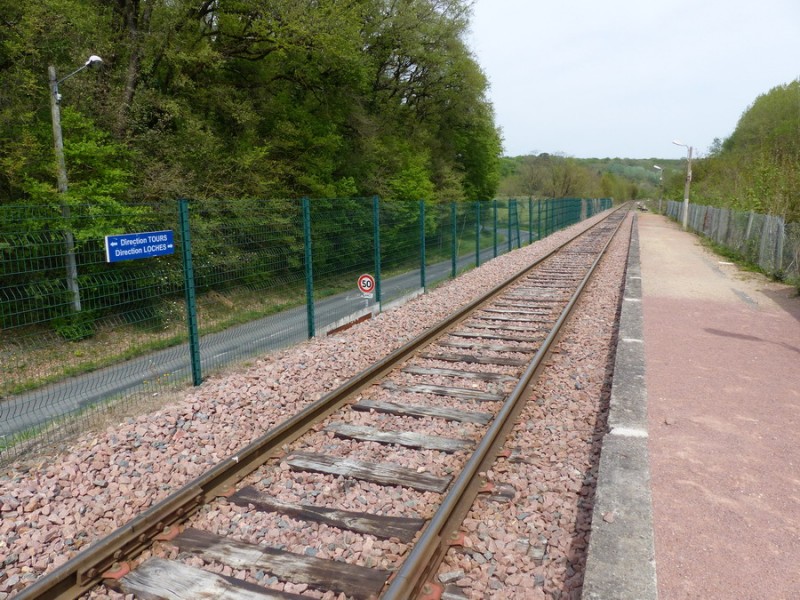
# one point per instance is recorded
(343, 247)
(401, 248)
(57, 361)
(249, 263)
(441, 243)
(466, 227)
(256, 275)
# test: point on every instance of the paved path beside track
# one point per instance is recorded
(704, 427)
(722, 351)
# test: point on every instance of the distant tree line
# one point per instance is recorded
(756, 168)
(558, 176)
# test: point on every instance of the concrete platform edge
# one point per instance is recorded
(620, 564)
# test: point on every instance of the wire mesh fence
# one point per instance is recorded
(84, 333)
(763, 240)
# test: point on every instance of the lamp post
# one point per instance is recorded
(61, 175)
(685, 217)
(660, 185)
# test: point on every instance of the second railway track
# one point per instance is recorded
(448, 398)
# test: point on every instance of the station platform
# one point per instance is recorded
(698, 494)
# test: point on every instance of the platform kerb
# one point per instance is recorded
(620, 564)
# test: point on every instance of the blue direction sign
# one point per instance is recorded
(130, 246)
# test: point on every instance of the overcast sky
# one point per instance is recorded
(623, 78)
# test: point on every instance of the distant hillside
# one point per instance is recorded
(549, 175)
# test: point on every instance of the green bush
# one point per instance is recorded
(75, 327)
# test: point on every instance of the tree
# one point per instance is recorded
(758, 166)
(553, 175)
(211, 99)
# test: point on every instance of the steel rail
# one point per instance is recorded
(415, 573)
(88, 568)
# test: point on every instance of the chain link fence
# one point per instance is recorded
(85, 334)
(763, 240)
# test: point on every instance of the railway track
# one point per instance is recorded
(451, 395)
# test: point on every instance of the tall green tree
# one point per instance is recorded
(213, 99)
(758, 166)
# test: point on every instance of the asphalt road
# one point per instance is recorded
(172, 365)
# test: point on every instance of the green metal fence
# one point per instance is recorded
(246, 277)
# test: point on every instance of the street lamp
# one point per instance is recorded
(660, 185)
(61, 174)
(686, 186)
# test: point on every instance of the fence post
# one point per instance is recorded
(548, 217)
(762, 245)
(376, 226)
(713, 227)
(422, 244)
(454, 244)
(530, 220)
(539, 219)
(749, 225)
(561, 214)
(781, 227)
(309, 269)
(494, 225)
(189, 291)
(510, 243)
(726, 226)
(477, 233)
(749, 249)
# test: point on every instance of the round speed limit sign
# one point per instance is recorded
(366, 283)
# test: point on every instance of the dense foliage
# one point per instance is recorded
(213, 99)
(758, 166)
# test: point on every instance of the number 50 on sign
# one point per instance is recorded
(366, 284)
